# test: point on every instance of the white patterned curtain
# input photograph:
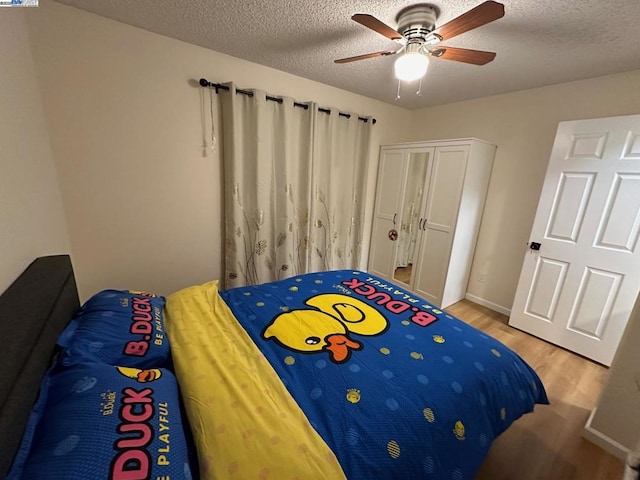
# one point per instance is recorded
(294, 186)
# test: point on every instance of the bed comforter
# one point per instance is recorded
(337, 374)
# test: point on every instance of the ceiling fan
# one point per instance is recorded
(419, 37)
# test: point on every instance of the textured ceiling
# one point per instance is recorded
(538, 42)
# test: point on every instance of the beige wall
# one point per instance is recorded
(522, 125)
(32, 221)
(143, 203)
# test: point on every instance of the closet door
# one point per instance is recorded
(439, 221)
(392, 174)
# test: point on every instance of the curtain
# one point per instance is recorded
(294, 187)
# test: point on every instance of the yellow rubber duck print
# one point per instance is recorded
(358, 316)
(327, 326)
(458, 430)
(142, 293)
(142, 376)
(353, 395)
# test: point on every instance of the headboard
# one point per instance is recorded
(33, 312)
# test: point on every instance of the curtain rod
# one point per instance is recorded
(206, 83)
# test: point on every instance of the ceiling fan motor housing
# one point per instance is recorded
(416, 22)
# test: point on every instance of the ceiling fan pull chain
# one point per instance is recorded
(419, 92)
(398, 91)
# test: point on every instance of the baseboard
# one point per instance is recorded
(485, 303)
(603, 441)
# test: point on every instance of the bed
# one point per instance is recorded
(325, 375)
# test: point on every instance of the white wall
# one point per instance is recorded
(32, 221)
(522, 125)
(144, 206)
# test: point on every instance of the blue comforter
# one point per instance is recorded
(395, 387)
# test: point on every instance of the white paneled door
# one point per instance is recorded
(577, 290)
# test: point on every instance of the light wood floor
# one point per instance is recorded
(403, 274)
(546, 444)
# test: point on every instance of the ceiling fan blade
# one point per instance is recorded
(376, 25)
(476, 57)
(366, 55)
(484, 13)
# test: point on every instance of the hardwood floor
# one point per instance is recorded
(403, 274)
(546, 444)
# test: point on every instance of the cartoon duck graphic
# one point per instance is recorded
(458, 430)
(142, 376)
(353, 395)
(143, 293)
(327, 326)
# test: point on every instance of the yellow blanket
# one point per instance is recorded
(244, 422)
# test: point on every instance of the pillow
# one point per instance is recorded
(99, 421)
(118, 327)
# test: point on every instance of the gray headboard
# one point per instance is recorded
(33, 312)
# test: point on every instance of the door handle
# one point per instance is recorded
(535, 246)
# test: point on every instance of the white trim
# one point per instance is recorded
(486, 303)
(603, 441)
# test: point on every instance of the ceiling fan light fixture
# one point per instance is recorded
(411, 65)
